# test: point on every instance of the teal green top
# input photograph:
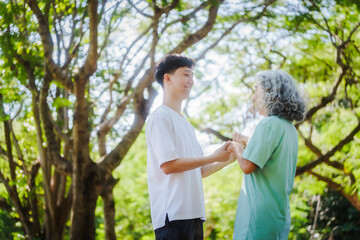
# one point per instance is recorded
(263, 207)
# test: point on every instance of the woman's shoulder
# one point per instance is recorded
(275, 123)
(269, 120)
(274, 120)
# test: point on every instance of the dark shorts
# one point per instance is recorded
(191, 229)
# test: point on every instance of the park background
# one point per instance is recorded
(77, 86)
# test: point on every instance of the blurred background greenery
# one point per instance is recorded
(317, 42)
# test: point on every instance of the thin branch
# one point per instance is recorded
(341, 167)
(352, 198)
(33, 196)
(136, 73)
(215, 133)
(281, 55)
(258, 16)
(48, 47)
(327, 29)
(7, 130)
(90, 65)
(199, 34)
(350, 35)
(76, 46)
(135, 55)
(115, 157)
(18, 150)
(139, 11)
(310, 145)
(187, 17)
(324, 100)
(17, 204)
(61, 164)
(169, 7)
(133, 44)
(300, 170)
(111, 27)
(58, 131)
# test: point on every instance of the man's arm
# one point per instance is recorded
(209, 169)
(185, 164)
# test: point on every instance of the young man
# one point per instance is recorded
(175, 159)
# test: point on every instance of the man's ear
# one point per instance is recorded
(167, 78)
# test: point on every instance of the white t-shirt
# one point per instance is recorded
(180, 195)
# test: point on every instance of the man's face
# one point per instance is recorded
(180, 82)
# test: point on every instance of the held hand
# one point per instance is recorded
(242, 139)
(231, 159)
(221, 154)
(235, 148)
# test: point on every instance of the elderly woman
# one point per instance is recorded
(269, 159)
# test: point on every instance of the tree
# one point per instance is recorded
(317, 42)
(58, 59)
(334, 217)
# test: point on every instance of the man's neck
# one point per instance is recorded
(173, 104)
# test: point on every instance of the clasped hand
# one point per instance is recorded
(231, 150)
(237, 145)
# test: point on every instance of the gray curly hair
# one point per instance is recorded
(281, 96)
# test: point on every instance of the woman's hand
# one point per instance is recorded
(242, 139)
(236, 148)
(246, 166)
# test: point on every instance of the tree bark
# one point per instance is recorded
(88, 178)
(109, 208)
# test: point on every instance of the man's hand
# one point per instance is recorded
(221, 154)
(235, 148)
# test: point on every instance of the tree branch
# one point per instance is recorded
(169, 7)
(62, 165)
(142, 107)
(9, 152)
(302, 169)
(201, 33)
(4, 205)
(90, 64)
(353, 198)
(139, 11)
(215, 133)
(187, 17)
(324, 100)
(310, 145)
(33, 196)
(48, 47)
(24, 218)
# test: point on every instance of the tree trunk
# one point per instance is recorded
(87, 177)
(109, 208)
(86, 185)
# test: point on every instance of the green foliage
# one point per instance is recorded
(221, 192)
(292, 36)
(337, 217)
(131, 197)
(7, 226)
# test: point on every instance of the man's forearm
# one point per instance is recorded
(186, 164)
(209, 169)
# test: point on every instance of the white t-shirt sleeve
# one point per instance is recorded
(162, 137)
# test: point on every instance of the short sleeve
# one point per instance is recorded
(262, 144)
(161, 137)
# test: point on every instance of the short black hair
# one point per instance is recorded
(170, 63)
